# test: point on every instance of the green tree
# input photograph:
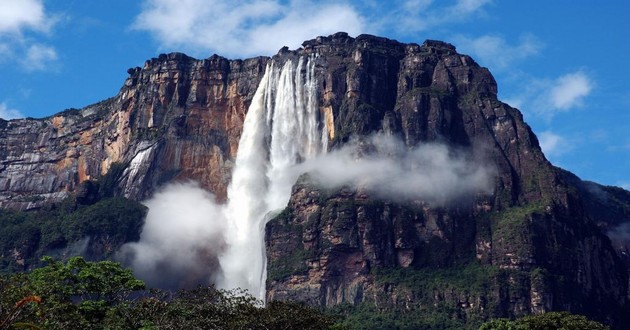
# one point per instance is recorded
(546, 321)
(97, 295)
(71, 295)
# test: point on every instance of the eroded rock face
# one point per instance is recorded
(537, 245)
(175, 118)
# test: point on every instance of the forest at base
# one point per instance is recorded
(79, 294)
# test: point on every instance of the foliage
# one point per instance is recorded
(511, 229)
(294, 263)
(75, 294)
(57, 228)
(431, 298)
(208, 308)
(369, 316)
(472, 277)
(455, 297)
(102, 295)
(551, 320)
(118, 217)
(26, 236)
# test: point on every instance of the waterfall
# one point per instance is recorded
(281, 129)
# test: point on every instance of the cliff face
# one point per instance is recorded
(534, 242)
(175, 118)
(538, 242)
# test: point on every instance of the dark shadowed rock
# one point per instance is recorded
(535, 237)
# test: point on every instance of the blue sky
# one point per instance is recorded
(562, 63)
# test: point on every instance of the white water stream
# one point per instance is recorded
(281, 129)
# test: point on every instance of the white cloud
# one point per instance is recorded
(387, 168)
(21, 23)
(495, 52)
(570, 90)
(8, 113)
(261, 27)
(243, 28)
(545, 98)
(515, 101)
(181, 238)
(16, 16)
(38, 57)
(553, 144)
(412, 16)
(464, 8)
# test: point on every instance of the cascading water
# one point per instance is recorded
(281, 129)
(186, 232)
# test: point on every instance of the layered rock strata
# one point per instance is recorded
(175, 118)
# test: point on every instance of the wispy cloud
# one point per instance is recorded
(497, 53)
(243, 28)
(387, 168)
(9, 113)
(545, 98)
(412, 16)
(553, 144)
(463, 9)
(39, 57)
(619, 146)
(261, 27)
(570, 90)
(21, 23)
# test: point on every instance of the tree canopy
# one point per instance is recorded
(546, 321)
(79, 294)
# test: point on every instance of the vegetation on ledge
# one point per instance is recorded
(63, 230)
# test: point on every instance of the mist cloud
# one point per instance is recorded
(181, 238)
(386, 167)
(186, 231)
(620, 236)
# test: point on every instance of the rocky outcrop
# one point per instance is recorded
(175, 118)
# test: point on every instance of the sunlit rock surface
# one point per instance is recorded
(175, 118)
